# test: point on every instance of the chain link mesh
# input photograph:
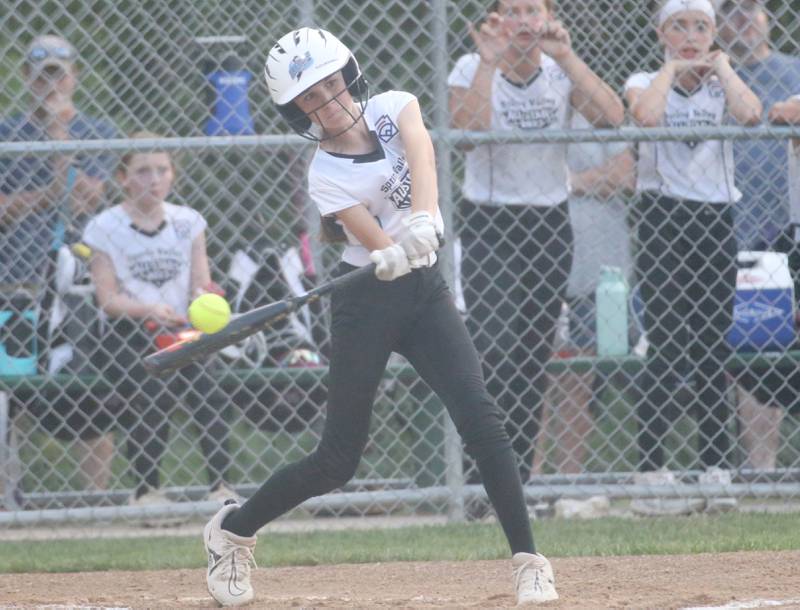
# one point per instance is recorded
(525, 277)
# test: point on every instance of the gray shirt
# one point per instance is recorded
(599, 225)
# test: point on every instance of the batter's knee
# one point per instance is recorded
(484, 434)
(337, 465)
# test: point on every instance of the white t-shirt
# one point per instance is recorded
(794, 184)
(151, 268)
(700, 171)
(381, 180)
(527, 174)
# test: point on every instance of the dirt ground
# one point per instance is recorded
(743, 580)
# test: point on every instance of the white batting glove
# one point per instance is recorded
(390, 263)
(420, 237)
(429, 260)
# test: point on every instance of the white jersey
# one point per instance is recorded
(150, 267)
(381, 180)
(526, 174)
(700, 170)
(794, 184)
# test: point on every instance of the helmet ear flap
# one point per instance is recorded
(297, 119)
(354, 79)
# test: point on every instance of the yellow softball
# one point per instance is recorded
(209, 313)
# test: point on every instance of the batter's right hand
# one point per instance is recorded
(390, 263)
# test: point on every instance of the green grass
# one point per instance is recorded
(557, 538)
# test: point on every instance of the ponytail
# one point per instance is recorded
(331, 232)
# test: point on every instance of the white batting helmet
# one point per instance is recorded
(301, 59)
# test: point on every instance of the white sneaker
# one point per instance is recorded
(156, 497)
(718, 476)
(230, 559)
(534, 581)
(658, 507)
(225, 492)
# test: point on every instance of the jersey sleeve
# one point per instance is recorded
(327, 196)
(198, 223)
(463, 73)
(96, 235)
(393, 102)
(640, 80)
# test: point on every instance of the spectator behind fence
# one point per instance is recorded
(686, 253)
(779, 385)
(516, 234)
(788, 113)
(761, 217)
(43, 199)
(148, 261)
(601, 175)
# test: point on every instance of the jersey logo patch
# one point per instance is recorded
(183, 229)
(385, 128)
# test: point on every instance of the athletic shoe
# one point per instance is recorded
(230, 559)
(718, 476)
(658, 507)
(156, 497)
(533, 579)
(224, 492)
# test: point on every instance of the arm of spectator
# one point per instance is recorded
(616, 176)
(200, 274)
(471, 107)
(116, 303)
(18, 204)
(647, 105)
(591, 96)
(743, 104)
(787, 113)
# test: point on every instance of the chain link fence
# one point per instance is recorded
(603, 327)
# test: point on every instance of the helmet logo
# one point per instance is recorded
(300, 65)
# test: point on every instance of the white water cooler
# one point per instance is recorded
(763, 311)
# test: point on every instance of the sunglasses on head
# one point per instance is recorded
(37, 54)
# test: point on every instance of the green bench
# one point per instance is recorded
(231, 379)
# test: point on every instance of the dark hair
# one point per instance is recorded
(331, 232)
(495, 6)
(125, 160)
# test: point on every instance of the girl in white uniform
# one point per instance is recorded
(148, 261)
(687, 250)
(516, 234)
(361, 180)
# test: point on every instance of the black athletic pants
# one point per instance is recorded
(515, 267)
(415, 316)
(686, 265)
